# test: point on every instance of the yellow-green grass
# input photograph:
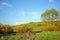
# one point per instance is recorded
(38, 36)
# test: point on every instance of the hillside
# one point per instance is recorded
(41, 25)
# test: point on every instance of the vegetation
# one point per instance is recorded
(48, 29)
(38, 36)
(50, 15)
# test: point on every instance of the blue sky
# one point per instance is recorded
(24, 11)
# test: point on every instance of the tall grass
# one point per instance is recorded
(37, 36)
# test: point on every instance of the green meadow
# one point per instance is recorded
(37, 36)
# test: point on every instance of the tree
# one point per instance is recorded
(50, 15)
(5, 29)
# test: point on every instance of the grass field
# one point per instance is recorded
(37, 36)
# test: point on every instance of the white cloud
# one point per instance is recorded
(29, 16)
(6, 4)
(18, 23)
(32, 15)
(51, 0)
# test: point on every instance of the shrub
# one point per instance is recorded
(5, 29)
(52, 28)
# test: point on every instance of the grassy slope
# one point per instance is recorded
(36, 25)
(38, 36)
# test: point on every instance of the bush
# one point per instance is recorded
(23, 29)
(49, 28)
(5, 29)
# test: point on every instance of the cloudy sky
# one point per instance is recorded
(24, 11)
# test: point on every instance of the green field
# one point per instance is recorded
(37, 36)
(31, 27)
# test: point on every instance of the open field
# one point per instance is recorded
(37, 36)
(31, 31)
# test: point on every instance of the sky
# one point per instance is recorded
(23, 11)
